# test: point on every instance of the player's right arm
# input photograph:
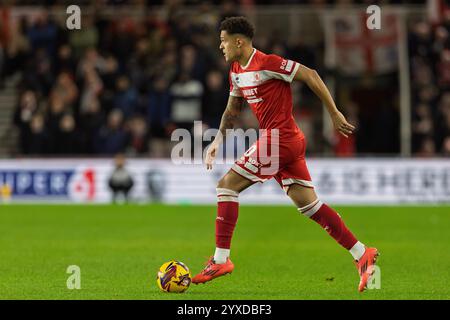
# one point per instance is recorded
(229, 117)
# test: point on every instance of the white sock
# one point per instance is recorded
(357, 250)
(221, 255)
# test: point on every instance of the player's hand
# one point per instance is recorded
(341, 124)
(211, 155)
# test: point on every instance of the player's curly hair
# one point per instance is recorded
(233, 25)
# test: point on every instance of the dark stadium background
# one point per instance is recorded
(65, 83)
(72, 102)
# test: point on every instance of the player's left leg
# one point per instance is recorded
(309, 205)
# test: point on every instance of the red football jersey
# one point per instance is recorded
(265, 83)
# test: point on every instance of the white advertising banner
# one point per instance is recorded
(337, 181)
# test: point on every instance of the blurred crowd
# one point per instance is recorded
(118, 85)
(429, 47)
(123, 84)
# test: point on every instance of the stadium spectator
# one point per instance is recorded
(91, 119)
(139, 136)
(108, 69)
(87, 37)
(2, 59)
(158, 107)
(55, 114)
(67, 140)
(43, 33)
(25, 110)
(92, 88)
(65, 60)
(126, 97)
(167, 66)
(91, 59)
(140, 63)
(37, 74)
(443, 69)
(37, 137)
(123, 38)
(191, 63)
(446, 147)
(121, 182)
(111, 138)
(215, 98)
(65, 89)
(15, 50)
(186, 96)
(443, 123)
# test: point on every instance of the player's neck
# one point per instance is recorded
(246, 55)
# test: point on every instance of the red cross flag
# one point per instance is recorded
(354, 49)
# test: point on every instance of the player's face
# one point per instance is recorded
(229, 46)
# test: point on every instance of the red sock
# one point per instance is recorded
(332, 223)
(227, 214)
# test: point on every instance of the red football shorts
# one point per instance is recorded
(284, 161)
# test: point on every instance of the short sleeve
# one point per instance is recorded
(280, 68)
(234, 89)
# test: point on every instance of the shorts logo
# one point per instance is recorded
(251, 167)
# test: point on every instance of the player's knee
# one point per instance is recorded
(226, 183)
(222, 183)
(310, 208)
(227, 195)
(301, 196)
(226, 191)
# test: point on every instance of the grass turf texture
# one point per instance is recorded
(278, 254)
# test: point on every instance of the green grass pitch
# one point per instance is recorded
(277, 253)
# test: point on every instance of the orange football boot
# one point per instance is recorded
(213, 270)
(365, 267)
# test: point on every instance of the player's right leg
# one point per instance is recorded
(228, 190)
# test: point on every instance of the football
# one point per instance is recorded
(173, 276)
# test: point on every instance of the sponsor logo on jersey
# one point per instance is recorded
(287, 65)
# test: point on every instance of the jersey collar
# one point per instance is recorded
(249, 60)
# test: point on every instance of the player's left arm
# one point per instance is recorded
(315, 83)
